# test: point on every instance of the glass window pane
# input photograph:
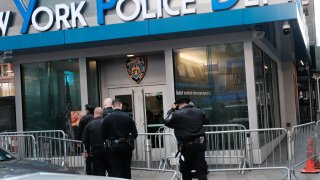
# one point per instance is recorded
(93, 85)
(154, 111)
(51, 91)
(127, 106)
(214, 78)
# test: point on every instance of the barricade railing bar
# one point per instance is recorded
(210, 128)
(63, 152)
(22, 146)
(242, 150)
(36, 134)
(224, 127)
(155, 152)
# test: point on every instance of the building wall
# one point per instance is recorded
(157, 65)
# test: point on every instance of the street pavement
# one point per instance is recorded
(249, 175)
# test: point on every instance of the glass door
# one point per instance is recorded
(144, 104)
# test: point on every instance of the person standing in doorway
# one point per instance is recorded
(117, 129)
(82, 125)
(187, 122)
(107, 107)
(93, 142)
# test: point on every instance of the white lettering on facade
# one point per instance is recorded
(69, 16)
(4, 20)
(145, 13)
(248, 3)
(133, 16)
(76, 14)
(170, 11)
(185, 10)
(34, 18)
(159, 9)
(62, 18)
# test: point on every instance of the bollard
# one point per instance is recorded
(249, 152)
(148, 149)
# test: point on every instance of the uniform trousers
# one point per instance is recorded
(100, 161)
(193, 158)
(120, 156)
(89, 165)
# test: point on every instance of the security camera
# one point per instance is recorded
(286, 28)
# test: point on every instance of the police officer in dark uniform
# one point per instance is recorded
(82, 124)
(187, 122)
(107, 105)
(93, 142)
(117, 129)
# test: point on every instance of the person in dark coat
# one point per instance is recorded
(187, 122)
(118, 129)
(93, 142)
(107, 107)
(82, 125)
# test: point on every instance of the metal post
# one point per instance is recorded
(148, 149)
(318, 94)
(310, 94)
(290, 152)
(249, 152)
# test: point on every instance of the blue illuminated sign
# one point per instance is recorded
(69, 15)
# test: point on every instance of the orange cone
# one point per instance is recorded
(312, 164)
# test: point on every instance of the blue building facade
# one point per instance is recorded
(236, 59)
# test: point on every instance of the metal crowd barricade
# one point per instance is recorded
(302, 136)
(241, 150)
(225, 149)
(64, 152)
(317, 139)
(155, 152)
(23, 146)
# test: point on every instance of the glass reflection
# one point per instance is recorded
(51, 92)
(214, 78)
(126, 103)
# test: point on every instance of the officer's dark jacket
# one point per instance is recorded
(187, 122)
(92, 134)
(82, 125)
(107, 111)
(118, 125)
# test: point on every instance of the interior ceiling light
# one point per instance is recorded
(130, 55)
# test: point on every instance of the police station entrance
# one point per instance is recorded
(144, 104)
(140, 83)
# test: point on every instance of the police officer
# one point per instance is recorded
(82, 124)
(107, 107)
(187, 122)
(93, 142)
(116, 130)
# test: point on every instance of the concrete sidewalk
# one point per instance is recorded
(249, 175)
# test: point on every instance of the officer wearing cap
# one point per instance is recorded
(82, 124)
(187, 122)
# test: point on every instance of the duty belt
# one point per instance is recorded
(198, 140)
(120, 140)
